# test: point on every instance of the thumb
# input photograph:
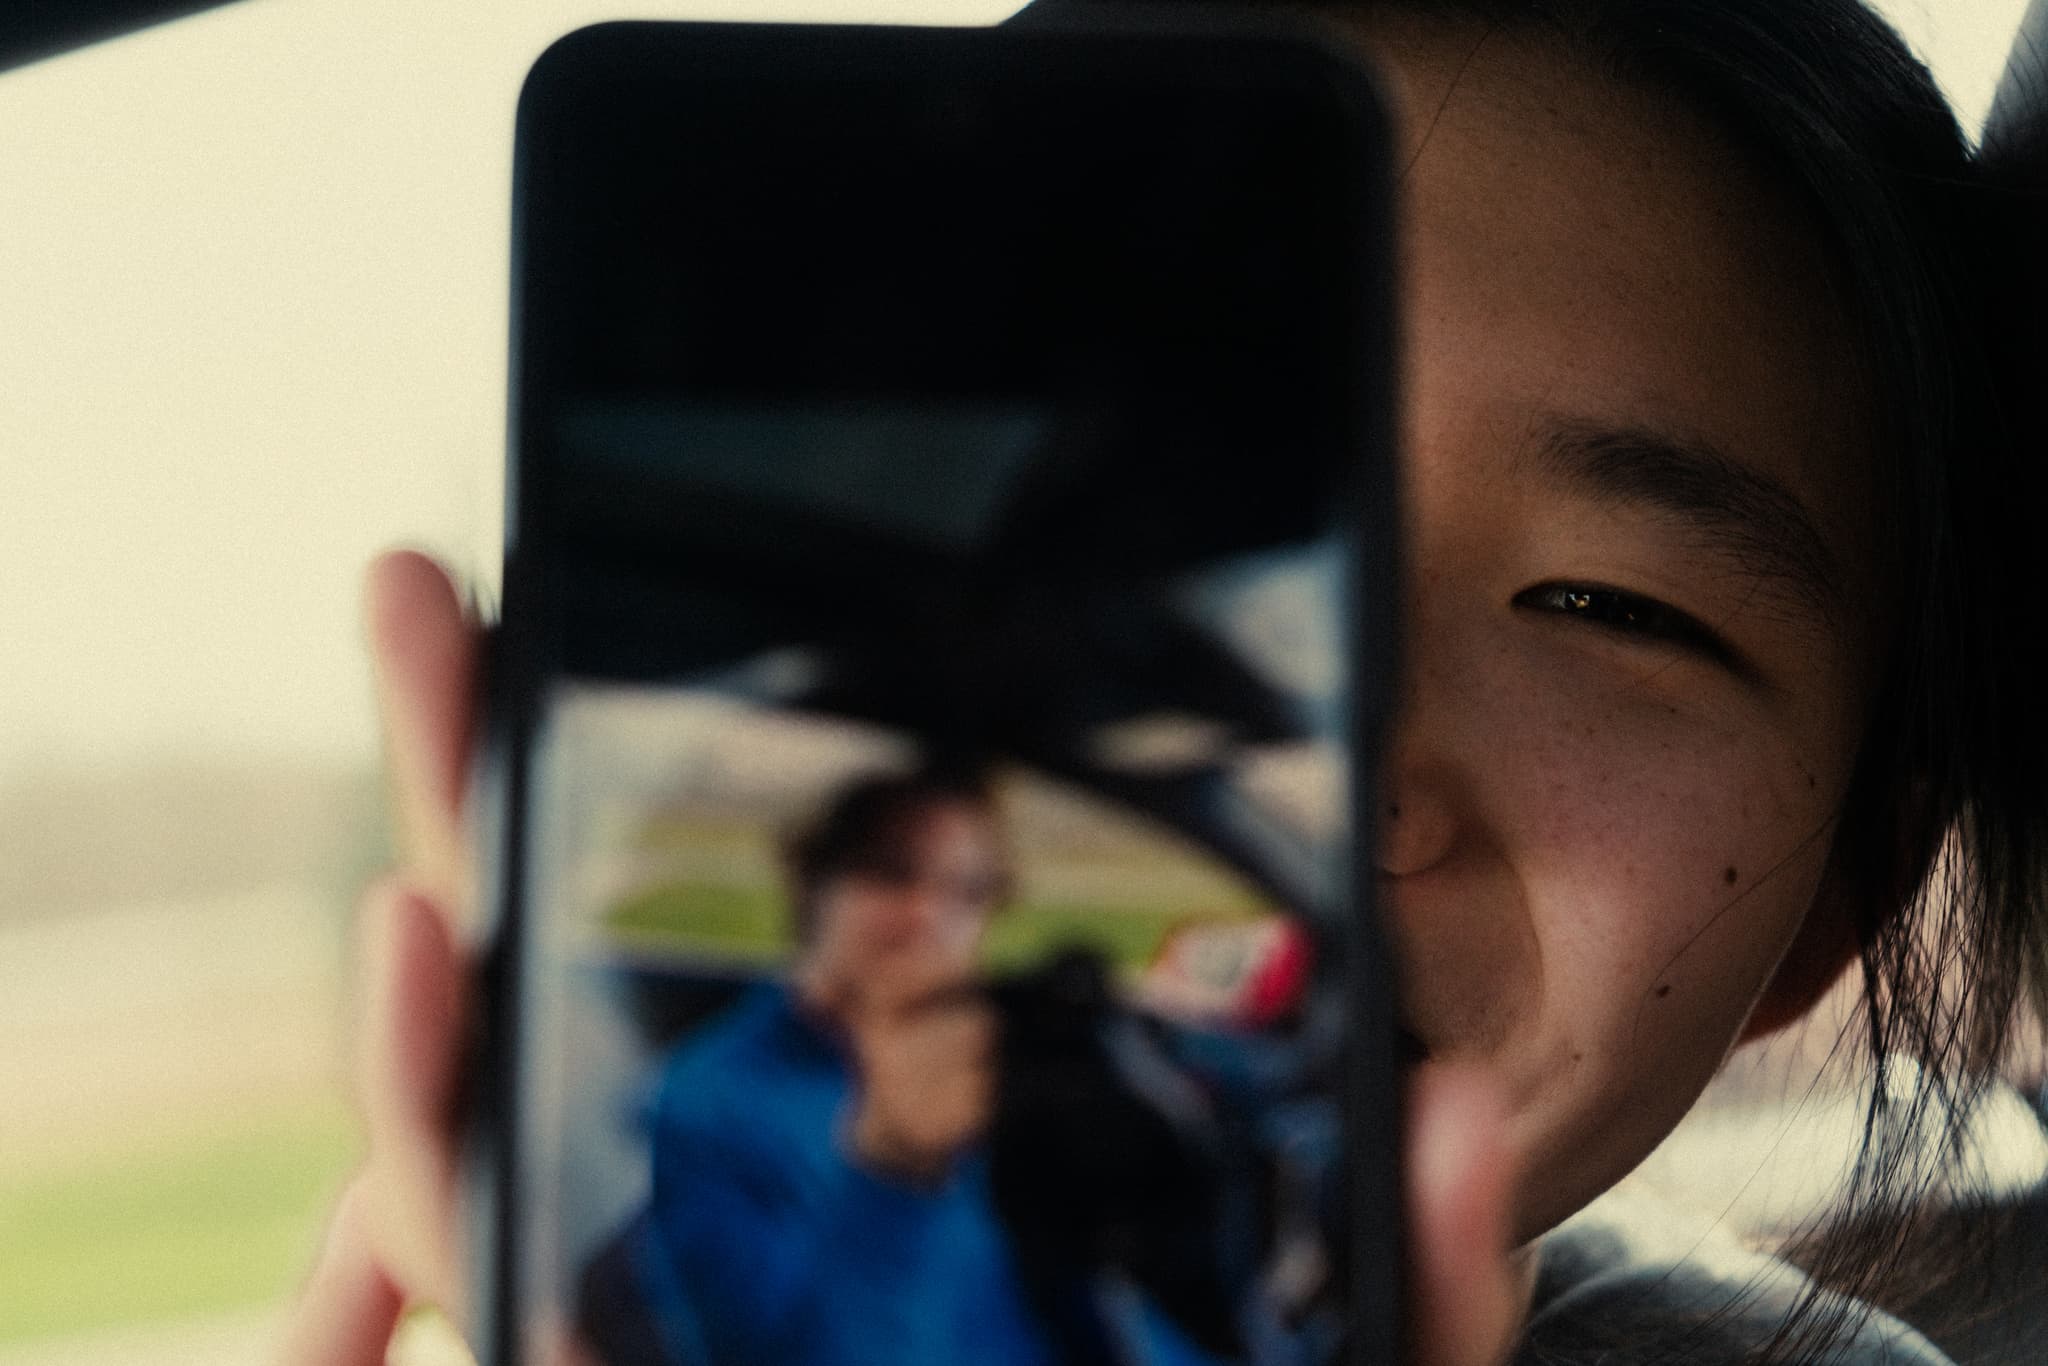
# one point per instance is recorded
(1469, 1291)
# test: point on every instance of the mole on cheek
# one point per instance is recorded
(1728, 875)
(1663, 991)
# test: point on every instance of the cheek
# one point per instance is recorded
(1664, 858)
(1662, 861)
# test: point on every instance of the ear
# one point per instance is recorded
(1823, 949)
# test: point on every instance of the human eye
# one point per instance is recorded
(1628, 614)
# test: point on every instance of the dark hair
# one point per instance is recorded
(863, 827)
(1941, 835)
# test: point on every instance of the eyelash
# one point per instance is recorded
(1628, 614)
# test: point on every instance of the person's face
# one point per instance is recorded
(1639, 588)
(924, 904)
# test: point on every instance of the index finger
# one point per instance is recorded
(423, 646)
(346, 1314)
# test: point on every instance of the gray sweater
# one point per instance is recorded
(1631, 1281)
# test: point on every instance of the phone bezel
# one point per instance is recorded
(517, 666)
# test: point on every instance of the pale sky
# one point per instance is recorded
(254, 272)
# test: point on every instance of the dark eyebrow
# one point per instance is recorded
(1747, 516)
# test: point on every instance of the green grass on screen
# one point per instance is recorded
(751, 925)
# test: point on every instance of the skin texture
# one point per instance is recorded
(1607, 831)
(1605, 836)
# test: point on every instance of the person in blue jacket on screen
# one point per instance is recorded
(820, 1185)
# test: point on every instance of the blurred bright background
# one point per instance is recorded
(254, 267)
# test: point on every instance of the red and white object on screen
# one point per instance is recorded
(1241, 973)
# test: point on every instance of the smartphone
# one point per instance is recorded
(946, 630)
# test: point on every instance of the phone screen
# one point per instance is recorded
(939, 656)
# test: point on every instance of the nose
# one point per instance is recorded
(1418, 815)
(930, 909)
(1424, 795)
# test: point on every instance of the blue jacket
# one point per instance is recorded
(765, 1243)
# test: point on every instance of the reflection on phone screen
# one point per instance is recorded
(946, 596)
(860, 1049)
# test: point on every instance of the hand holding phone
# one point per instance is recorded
(393, 1242)
(934, 1069)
